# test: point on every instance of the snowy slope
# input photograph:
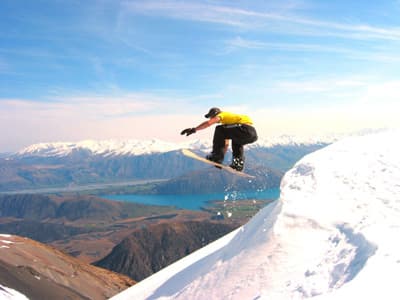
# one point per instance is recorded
(10, 294)
(333, 234)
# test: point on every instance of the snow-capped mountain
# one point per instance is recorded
(333, 234)
(107, 148)
(132, 147)
(64, 164)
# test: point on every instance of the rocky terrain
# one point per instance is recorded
(42, 272)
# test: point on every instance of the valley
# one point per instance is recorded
(90, 228)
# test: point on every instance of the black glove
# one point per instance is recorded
(188, 131)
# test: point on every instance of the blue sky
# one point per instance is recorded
(73, 70)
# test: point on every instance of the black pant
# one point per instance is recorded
(240, 134)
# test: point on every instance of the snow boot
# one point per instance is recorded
(237, 163)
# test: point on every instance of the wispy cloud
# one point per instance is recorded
(289, 21)
(90, 117)
(194, 11)
(367, 53)
(240, 42)
(83, 107)
(142, 116)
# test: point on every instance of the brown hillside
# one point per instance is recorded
(42, 272)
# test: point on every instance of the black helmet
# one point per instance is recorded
(212, 112)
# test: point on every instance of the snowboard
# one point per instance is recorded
(193, 155)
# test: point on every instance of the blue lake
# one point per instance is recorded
(195, 202)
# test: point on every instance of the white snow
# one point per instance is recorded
(10, 294)
(6, 242)
(5, 235)
(333, 234)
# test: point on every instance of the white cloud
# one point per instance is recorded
(193, 11)
(93, 117)
(78, 107)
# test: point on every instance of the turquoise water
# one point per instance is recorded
(195, 202)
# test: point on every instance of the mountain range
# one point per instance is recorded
(134, 147)
(92, 162)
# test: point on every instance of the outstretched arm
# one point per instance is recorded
(205, 124)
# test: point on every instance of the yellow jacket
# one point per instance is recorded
(230, 118)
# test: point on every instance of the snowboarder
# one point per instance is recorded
(235, 127)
